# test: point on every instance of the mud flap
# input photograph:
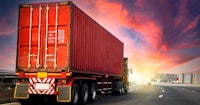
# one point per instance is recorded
(64, 93)
(21, 91)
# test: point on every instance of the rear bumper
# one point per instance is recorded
(62, 92)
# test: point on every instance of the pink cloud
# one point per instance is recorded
(192, 24)
(113, 16)
(190, 66)
(189, 45)
(6, 28)
(152, 55)
(182, 13)
(7, 58)
(139, 3)
(146, 28)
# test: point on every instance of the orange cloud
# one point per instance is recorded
(149, 46)
(146, 49)
(147, 28)
(150, 31)
(164, 47)
(113, 16)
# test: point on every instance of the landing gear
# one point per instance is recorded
(119, 88)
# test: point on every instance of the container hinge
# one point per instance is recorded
(49, 55)
(51, 60)
(32, 55)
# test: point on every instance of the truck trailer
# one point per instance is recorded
(66, 56)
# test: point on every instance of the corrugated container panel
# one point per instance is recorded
(83, 46)
(94, 50)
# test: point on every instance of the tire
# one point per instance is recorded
(84, 94)
(92, 93)
(75, 94)
(126, 91)
(120, 90)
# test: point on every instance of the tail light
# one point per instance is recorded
(62, 81)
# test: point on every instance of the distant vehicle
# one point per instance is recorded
(149, 83)
(63, 53)
(7, 80)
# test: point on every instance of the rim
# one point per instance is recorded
(76, 96)
(120, 91)
(85, 95)
(94, 94)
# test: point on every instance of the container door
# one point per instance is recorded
(30, 38)
(56, 43)
(43, 42)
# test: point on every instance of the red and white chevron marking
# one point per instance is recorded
(32, 85)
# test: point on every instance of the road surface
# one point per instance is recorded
(151, 95)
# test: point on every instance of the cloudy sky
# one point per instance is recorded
(159, 35)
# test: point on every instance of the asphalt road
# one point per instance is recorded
(150, 95)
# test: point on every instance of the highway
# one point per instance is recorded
(150, 95)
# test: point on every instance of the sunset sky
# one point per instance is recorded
(159, 35)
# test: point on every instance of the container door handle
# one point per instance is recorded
(46, 42)
(30, 38)
(56, 38)
(39, 28)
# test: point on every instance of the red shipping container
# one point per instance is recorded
(59, 36)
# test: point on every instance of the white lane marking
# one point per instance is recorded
(130, 90)
(14, 103)
(160, 96)
(163, 91)
(193, 91)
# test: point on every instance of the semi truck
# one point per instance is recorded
(66, 56)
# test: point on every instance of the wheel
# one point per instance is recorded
(75, 94)
(120, 91)
(126, 91)
(84, 94)
(119, 88)
(125, 88)
(92, 93)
